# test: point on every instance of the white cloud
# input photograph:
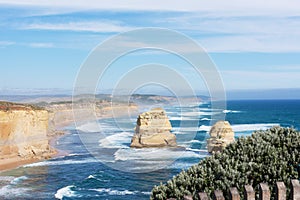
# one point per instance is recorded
(233, 25)
(251, 43)
(6, 43)
(33, 45)
(238, 33)
(254, 6)
(41, 45)
(91, 26)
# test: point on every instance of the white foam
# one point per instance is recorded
(209, 109)
(7, 179)
(93, 127)
(90, 177)
(146, 193)
(182, 130)
(11, 192)
(89, 127)
(174, 118)
(114, 192)
(197, 113)
(244, 127)
(18, 179)
(231, 111)
(116, 140)
(65, 192)
(204, 128)
(77, 154)
(236, 128)
(195, 141)
(188, 143)
(61, 162)
(205, 119)
(148, 166)
(181, 118)
(95, 178)
(171, 164)
(197, 150)
(252, 127)
(153, 154)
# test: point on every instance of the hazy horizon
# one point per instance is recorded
(259, 94)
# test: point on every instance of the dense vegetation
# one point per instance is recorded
(266, 156)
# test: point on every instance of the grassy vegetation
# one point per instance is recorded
(266, 156)
(6, 106)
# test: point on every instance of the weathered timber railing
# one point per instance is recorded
(249, 193)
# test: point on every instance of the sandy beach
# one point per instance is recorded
(60, 119)
(15, 162)
(11, 163)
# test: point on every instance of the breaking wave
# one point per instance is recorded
(65, 192)
(116, 140)
(244, 127)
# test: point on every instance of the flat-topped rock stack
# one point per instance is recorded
(153, 130)
(221, 134)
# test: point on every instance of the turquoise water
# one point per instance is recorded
(81, 176)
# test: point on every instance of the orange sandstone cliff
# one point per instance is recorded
(23, 132)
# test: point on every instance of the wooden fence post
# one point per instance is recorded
(187, 198)
(280, 191)
(249, 192)
(234, 194)
(218, 195)
(295, 189)
(203, 196)
(264, 192)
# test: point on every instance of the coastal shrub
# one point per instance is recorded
(264, 157)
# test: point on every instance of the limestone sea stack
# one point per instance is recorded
(221, 134)
(153, 130)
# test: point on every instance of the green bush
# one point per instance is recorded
(264, 157)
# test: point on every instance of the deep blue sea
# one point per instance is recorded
(126, 173)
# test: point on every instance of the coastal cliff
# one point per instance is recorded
(66, 113)
(153, 130)
(23, 132)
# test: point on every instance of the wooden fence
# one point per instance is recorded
(249, 193)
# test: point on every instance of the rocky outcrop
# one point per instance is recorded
(221, 134)
(23, 132)
(153, 130)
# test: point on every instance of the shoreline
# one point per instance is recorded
(13, 163)
(7, 164)
(16, 162)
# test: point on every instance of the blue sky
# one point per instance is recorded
(254, 44)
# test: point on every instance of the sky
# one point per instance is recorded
(255, 45)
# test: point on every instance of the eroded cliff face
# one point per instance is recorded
(23, 131)
(221, 134)
(153, 130)
(66, 114)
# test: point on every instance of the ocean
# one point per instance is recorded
(126, 173)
